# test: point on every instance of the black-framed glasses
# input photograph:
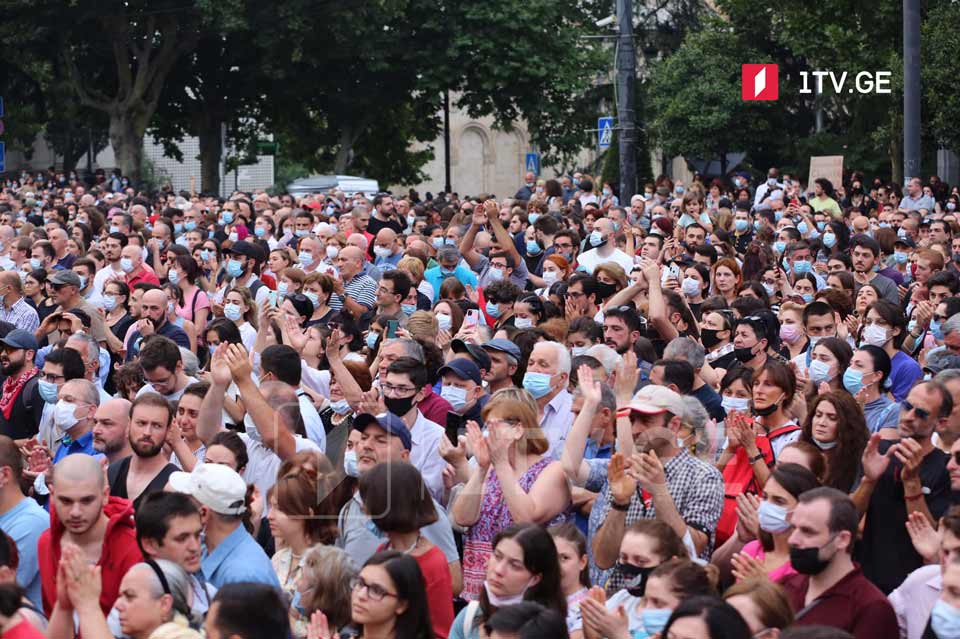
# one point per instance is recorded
(920, 412)
(374, 591)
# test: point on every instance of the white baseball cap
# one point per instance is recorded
(652, 400)
(216, 486)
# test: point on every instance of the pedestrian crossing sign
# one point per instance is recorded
(533, 163)
(604, 133)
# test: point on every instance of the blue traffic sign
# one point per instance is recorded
(3, 157)
(1, 106)
(532, 163)
(604, 133)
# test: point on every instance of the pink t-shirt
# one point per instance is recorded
(188, 309)
(755, 549)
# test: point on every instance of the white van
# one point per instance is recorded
(350, 185)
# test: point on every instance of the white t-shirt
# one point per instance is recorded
(172, 397)
(592, 259)
(425, 453)
(311, 422)
(263, 463)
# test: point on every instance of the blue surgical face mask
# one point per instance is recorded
(493, 310)
(314, 299)
(408, 309)
(177, 228)
(537, 384)
(532, 217)
(900, 257)
(350, 464)
(232, 312)
(655, 619)
(48, 391)
(260, 231)
(807, 297)
(305, 258)
(234, 268)
(821, 226)
(533, 248)
(302, 232)
(456, 396)
(189, 225)
(945, 620)
(738, 404)
(756, 225)
(227, 217)
(852, 381)
(109, 302)
(779, 246)
(802, 266)
(829, 240)
(173, 276)
(36, 264)
(803, 227)
(741, 225)
(772, 518)
(371, 340)
(936, 329)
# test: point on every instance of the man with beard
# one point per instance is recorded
(146, 470)
(153, 321)
(110, 425)
(21, 406)
(85, 514)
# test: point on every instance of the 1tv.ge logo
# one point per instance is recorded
(759, 82)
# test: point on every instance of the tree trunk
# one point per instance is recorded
(209, 133)
(344, 154)
(127, 128)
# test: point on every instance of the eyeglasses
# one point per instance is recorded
(50, 377)
(390, 389)
(921, 413)
(374, 591)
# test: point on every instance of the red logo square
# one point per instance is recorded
(759, 82)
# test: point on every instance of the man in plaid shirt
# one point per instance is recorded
(14, 308)
(659, 480)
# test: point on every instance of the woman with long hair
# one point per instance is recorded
(574, 568)
(835, 424)
(195, 305)
(323, 586)
(762, 604)
(524, 566)
(726, 278)
(389, 600)
(759, 546)
(828, 360)
(239, 308)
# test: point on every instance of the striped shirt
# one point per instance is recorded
(21, 315)
(361, 289)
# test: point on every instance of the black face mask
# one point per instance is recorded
(765, 412)
(709, 337)
(399, 406)
(636, 577)
(605, 290)
(745, 354)
(807, 561)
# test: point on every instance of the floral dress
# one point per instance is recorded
(494, 517)
(287, 567)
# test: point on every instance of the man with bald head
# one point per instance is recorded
(14, 308)
(131, 263)
(355, 292)
(386, 250)
(111, 424)
(603, 248)
(83, 513)
(58, 238)
(153, 321)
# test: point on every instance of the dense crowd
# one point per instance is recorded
(728, 409)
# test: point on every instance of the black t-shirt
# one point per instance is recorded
(27, 410)
(885, 551)
(117, 476)
(393, 223)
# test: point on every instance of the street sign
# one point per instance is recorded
(3, 157)
(604, 133)
(1, 106)
(533, 163)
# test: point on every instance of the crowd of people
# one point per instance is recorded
(728, 409)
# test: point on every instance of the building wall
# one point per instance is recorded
(483, 159)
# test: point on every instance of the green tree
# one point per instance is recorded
(941, 108)
(695, 99)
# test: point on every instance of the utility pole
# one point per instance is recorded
(446, 141)
(911, 89)
(626, 97)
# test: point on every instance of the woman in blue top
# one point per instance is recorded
(885, 326)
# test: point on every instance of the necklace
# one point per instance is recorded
(413, 546)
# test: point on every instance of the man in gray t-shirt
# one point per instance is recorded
(865, 253)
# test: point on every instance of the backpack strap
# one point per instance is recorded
(469, 615)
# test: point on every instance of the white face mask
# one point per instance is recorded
(65, 415)
(350, 464)
(500, 602)
(739, 404)
(875, 335)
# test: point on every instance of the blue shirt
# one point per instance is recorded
(463, 273)
(167, 330)
(24, 523)
(83, 444)
(904, 372)
(238, 558)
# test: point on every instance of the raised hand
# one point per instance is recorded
(219, 367)
(925, 539)
(746, 567)
(478, 444)
(589, 389)
(239, 362)
(910, 454)
(454, 454)
(622, 485)
(319, 627)
(627, 375)
(874, 463)
(372, 402)
(748, 523)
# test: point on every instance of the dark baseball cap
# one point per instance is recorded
(476, 352)
(248, 249)
(65, 278)
(389, 422)
(504, 346)
(463, 368)
(20, 339)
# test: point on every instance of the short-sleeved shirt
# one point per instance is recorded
(435, 277)
(882, 412)
(885, 286)
(263, 463)
(24, 523)
(168, 329)
(697, 491)
(21, 315)
(591, 259)
(885, 550)
(361, 289)
(192, 304)
(238, 558)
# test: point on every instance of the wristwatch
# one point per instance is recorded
(621, 507)
(756, 458)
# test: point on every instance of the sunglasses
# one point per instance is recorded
(921, 413)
